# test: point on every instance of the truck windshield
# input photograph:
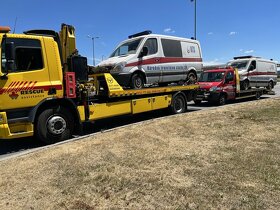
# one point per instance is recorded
(211, 76)
(126, 48)
(239, 64)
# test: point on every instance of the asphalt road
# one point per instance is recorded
(14, 147)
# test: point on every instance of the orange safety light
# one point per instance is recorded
(5, 29)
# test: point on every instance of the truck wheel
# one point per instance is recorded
(258, 95)
(137, 81)
(191, 78)
(222, 100)
(178, 104)
(54, 125)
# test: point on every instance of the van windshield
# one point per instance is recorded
(239, 64)
(211, 76)
(129, 47)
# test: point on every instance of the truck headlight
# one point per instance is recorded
(119, 67)
(214, 89)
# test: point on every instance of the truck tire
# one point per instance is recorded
(137, 81)
(178, 104)
(222, 100)
(54, 125)
(258, 95)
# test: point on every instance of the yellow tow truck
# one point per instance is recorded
(46, 89)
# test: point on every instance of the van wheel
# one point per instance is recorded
(137, 81)
(245, 85)
(54, 125)
(270, 86)
(178, 104)
(191, 78)
(222, 100)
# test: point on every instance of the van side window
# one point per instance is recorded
(28, 54)
(172, 48)
(253, 63)
(152, 46)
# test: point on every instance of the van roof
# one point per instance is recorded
(164, 36)
(252, 58)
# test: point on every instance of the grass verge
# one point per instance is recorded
(227, 158)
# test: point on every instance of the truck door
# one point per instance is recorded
(27, 81)
(229, 85)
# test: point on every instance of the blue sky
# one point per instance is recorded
(225, 28)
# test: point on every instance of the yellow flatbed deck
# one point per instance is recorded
(115, 90)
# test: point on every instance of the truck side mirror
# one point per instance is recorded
(143, 52)
(10, 55)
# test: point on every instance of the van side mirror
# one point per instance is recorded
(143, 52)
(10, 56)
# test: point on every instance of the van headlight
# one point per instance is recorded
(215, 89)
(119, 67)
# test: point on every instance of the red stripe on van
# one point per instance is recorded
(261, 73)
(163, 60)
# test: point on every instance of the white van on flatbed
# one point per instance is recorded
(146, 58)
(255, 72)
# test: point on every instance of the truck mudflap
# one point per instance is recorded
(15, 130)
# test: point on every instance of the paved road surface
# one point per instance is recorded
(18, 146)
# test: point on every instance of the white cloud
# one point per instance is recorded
(210, 33)
(249, 51)
(241, 50)
(169, 31)
(214, 62)
(232, 33)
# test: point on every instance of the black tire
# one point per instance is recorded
(222, 100)
(245, 85)
(270, 86)
(137, 81)
(54, 125)
(178, 104)
(191, 78)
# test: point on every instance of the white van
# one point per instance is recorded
(255, 72)
(147, 58)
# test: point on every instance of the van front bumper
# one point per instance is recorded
(15, 130)
(208, 96)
